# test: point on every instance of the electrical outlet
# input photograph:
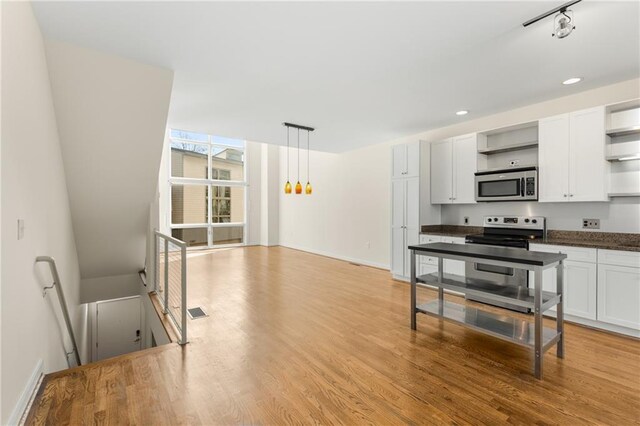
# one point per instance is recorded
(590, 223)
(466, 220)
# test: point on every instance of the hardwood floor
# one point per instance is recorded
(298, 338)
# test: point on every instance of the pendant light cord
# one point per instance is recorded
(298, 155)
(308, 178)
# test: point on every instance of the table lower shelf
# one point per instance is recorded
(503, 327)
(514, 295)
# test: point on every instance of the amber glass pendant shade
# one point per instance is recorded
(287, 188)
(307, 189)
(298, 188)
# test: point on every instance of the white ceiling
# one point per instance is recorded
(362, 73)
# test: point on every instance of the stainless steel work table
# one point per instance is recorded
(522, 332)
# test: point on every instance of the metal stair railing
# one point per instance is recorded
(170, 279)
(63, 304)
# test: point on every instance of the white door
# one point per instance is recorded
(117, 327)
(553, 159)
(398, 161)
(455, 267)
(412, 224)
(413, 160)
(588, 167)
(580, 289)
(441, 172)
(619, 295)
(398, 246)
(465, 155)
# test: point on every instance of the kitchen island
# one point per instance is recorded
(522, 332)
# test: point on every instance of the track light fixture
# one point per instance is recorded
(562, 22)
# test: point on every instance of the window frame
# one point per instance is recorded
(208, 183)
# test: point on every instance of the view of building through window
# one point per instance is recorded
(207, 189)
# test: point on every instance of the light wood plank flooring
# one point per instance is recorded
(295, 338)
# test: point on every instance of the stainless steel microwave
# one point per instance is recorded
(507, 185)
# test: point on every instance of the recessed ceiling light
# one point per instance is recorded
(462, 112)
(572, 80)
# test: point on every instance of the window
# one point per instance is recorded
(207, 179)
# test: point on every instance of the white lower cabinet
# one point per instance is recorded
(455, 267)
(580, 288)
(619, 295)
(580, 280)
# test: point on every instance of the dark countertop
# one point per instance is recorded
(588, 239)
(503, 254)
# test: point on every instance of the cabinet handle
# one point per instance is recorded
(570, 195)
(565, 195)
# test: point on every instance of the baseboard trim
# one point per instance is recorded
(334, 256)
(27, 396)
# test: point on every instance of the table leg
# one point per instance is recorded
(440, 290)
(560, 309)
(538, 355)
(413, 290)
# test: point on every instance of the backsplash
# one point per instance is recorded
(619, 215)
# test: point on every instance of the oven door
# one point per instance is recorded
(499, 275)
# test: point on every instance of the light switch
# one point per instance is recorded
(20, 229)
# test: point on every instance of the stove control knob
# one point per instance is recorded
(495, 219)
(489, 220)
(526, 221)
(534, 221)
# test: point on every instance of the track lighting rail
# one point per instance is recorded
(298, 126)
(561, 8)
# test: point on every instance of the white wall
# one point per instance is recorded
(351, 200)
(348, 214)
(270, 195)
(111, 115)
(33, 189)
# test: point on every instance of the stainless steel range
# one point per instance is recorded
(505, 231)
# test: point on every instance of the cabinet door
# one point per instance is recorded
(412, 221)
(580, 289)
(618, 295)
(588, 167)
(398, 161)
(455, 267)
(397, 251)
(398, 218)
(413, 159)
(441, 172)
(464, 168)
(553, 159)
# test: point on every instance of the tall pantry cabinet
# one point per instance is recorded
(405, 206)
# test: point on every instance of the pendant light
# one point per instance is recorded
(287, 186)
(298, 187)
(308, 190)
(298, 184)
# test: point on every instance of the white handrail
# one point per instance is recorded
(63, 304)
(182, 327)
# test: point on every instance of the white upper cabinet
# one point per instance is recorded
(571, 157)
(588, 167)
(413, 159)
(441, 172)
(465, 150)
(405, 160)
(553, 158)
(453, 167)
(398, 161)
